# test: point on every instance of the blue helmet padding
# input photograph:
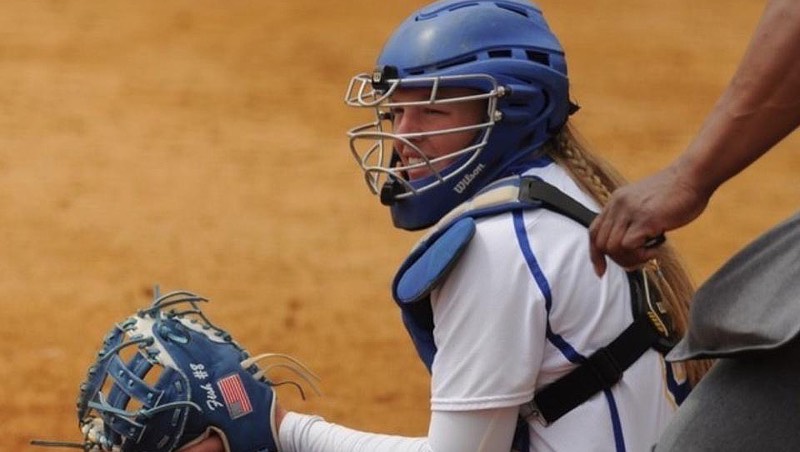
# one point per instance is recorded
(508, 40)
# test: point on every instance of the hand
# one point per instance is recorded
(213, 443)
(639, 212)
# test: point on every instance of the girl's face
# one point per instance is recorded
(430, 118)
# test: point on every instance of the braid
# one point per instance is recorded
(668, 275)
(570, 156)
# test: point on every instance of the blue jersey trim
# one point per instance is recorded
(616, 422)
(559, 342)
(533, 265)
(679, 390)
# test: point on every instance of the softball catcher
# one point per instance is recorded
(527, 348)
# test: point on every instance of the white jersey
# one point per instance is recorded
(518, 309)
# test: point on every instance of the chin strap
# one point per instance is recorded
(392, 187)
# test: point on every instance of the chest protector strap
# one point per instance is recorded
(603, 369)
(429, 263)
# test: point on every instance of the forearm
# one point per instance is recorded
(450, 431)
(303, 433)
(760, 106)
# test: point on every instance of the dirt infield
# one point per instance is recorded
(200, 145)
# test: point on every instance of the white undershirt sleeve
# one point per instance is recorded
(450, 431)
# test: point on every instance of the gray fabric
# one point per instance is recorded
(751, 303)
(747, 403)
(747, 315)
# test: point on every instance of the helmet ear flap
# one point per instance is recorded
(526, 103)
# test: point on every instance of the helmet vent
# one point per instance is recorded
(512, 8)
(499, 54)
(457, 62)
(538, 57)
(425, 15)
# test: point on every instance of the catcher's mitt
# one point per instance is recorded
(166, 376)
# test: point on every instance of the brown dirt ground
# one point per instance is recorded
(200, 145)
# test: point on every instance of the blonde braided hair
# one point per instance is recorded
(667, 272)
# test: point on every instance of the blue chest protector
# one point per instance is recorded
(435, 255)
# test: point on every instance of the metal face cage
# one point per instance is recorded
(372, 144)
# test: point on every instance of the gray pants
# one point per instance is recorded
(747, 316)
(747, 403)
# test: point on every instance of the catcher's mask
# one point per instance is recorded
(502, 50)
